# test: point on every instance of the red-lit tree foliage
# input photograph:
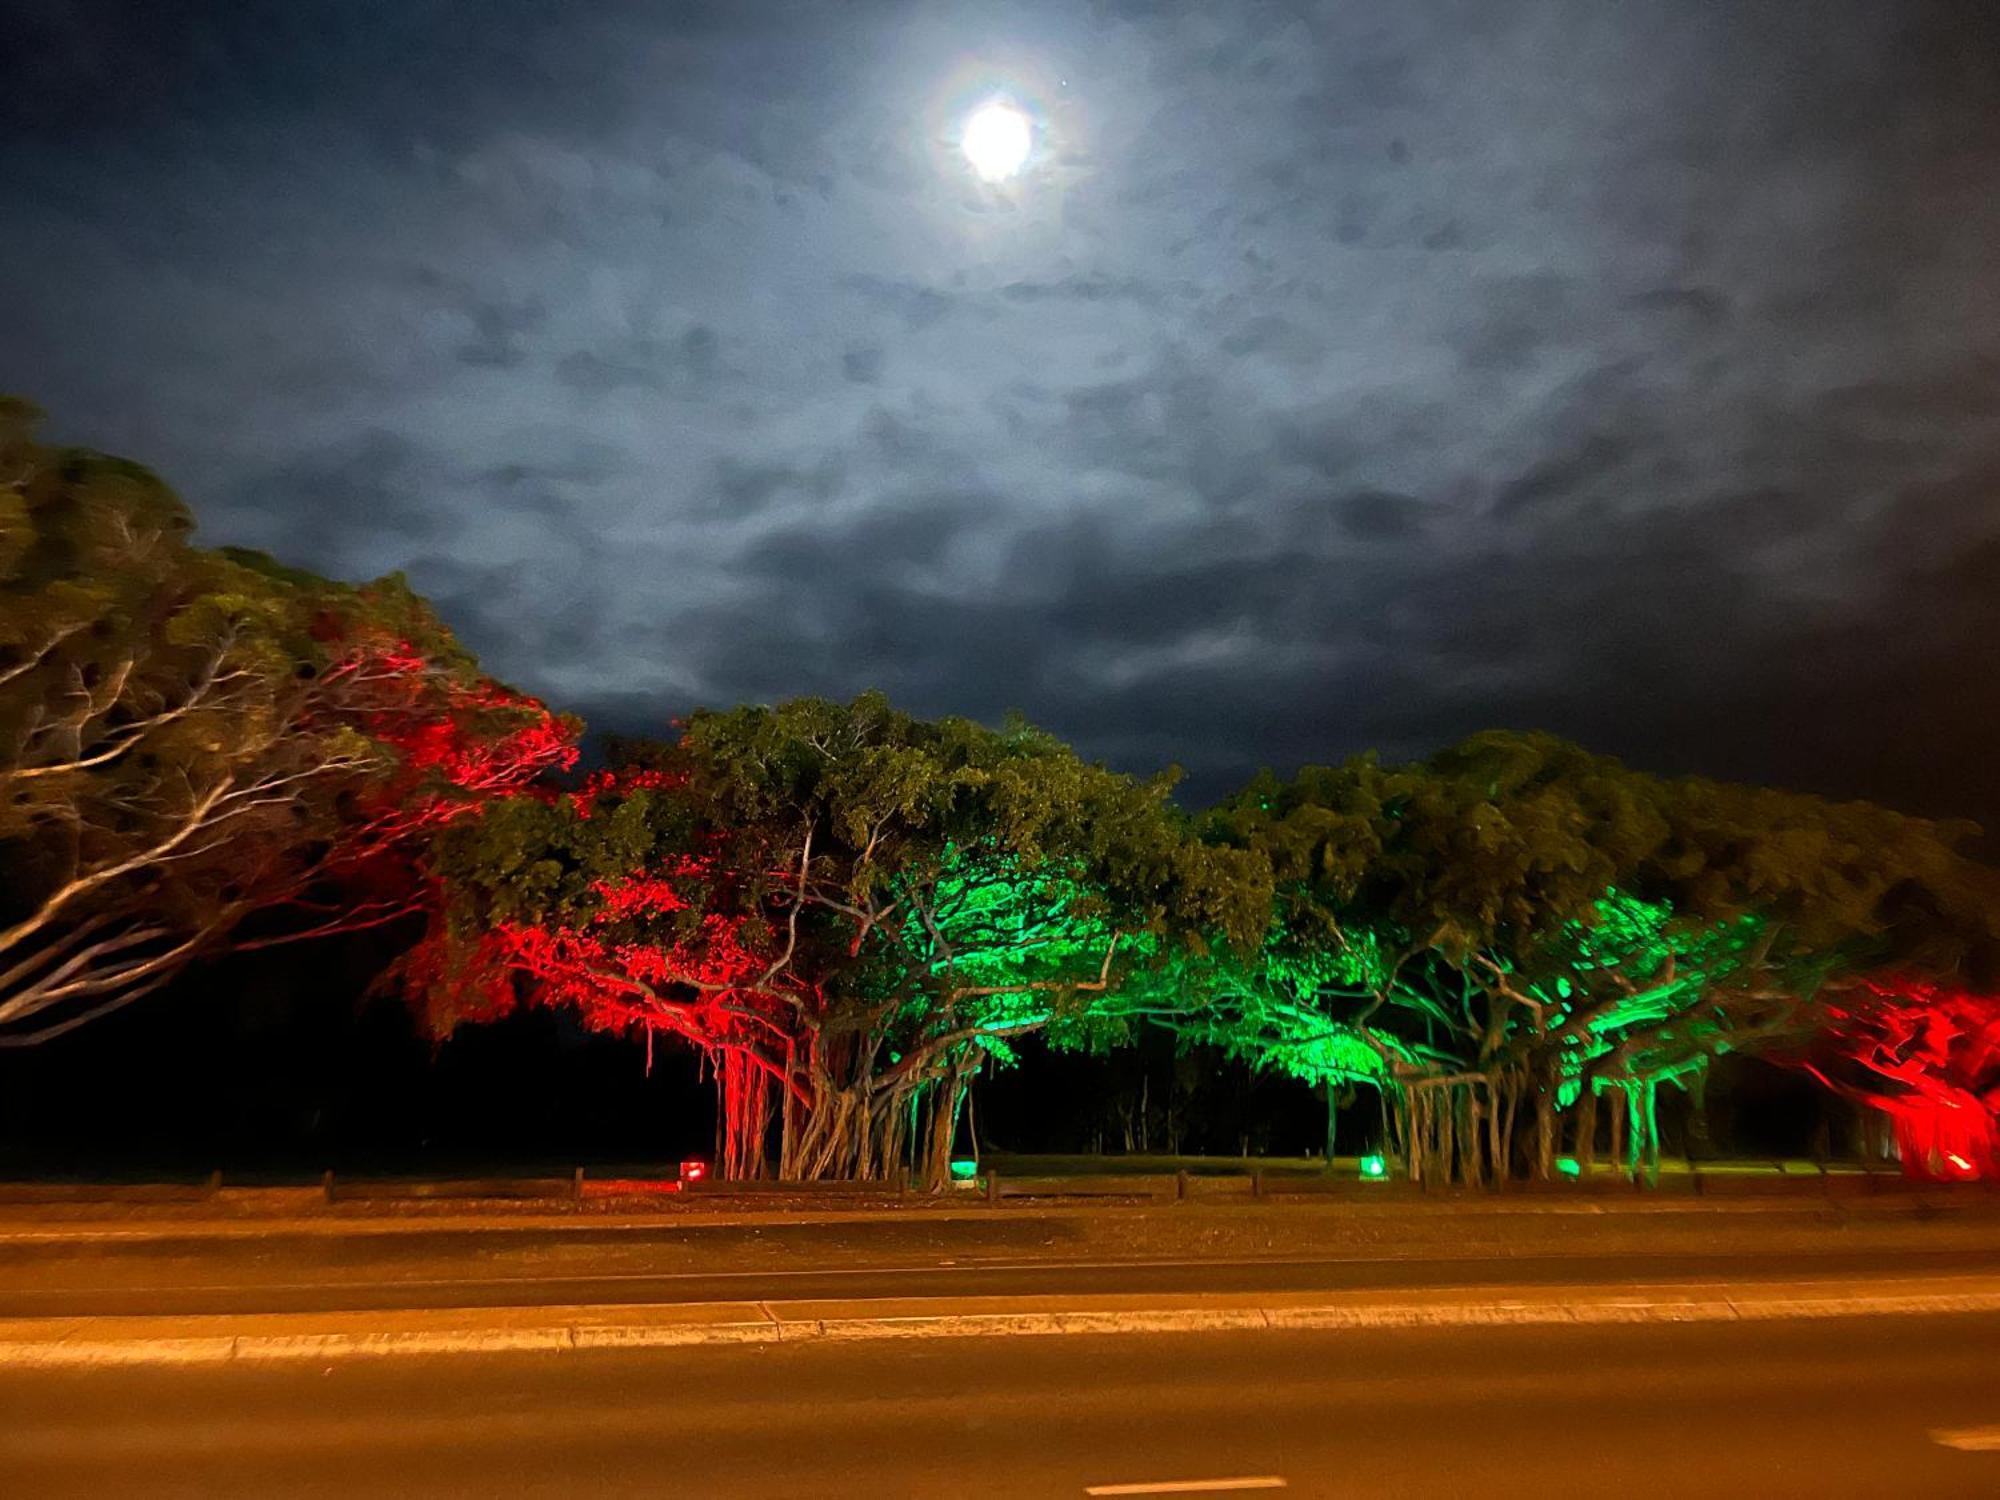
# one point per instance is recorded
(446, 740)
(847, 911)
(945, 890)
(1501, 937)
(617, 903)
(202, 748)
(1927, 1056)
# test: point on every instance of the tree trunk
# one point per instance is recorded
(1586, 1130)
(1496, 1120)
(1516, 1081)
(788, 1113)
(1470, 1116)
(743, 1099)
(1700, 1146)
(1617, 1151)
(945, 1101)
(972, 1120)
(1545, 1129)
(1652, 1121)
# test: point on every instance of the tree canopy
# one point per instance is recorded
(849, 908)
(1517, 924)
(849, 911)
(190, 739)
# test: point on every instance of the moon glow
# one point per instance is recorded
(996, 140)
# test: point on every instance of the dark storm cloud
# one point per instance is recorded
(1377, 513)
(1338, 375)
(375, 483)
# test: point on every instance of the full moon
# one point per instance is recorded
(996, 141)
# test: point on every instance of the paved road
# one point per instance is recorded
(901, 1258)
(1822, 1409)
(281, 1288)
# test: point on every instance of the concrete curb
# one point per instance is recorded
(211, 1340)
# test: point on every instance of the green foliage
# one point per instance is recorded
(897, 899)
(1514, 915)
(859, 908)
(1521, 912)
(187, 737)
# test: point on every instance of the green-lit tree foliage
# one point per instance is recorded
(976, 886)
(1516, 928)
(878, 904)
(190, 739)
(850, 911)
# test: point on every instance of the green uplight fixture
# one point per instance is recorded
(1567, 1165)
(1374, 1168)
(964, 1170)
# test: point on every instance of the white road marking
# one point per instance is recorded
(1188, 1486)
(1968, 1439)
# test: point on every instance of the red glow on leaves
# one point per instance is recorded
(431, 741)
(455, 742)
(1932, 1058)
(477, 738)
(601, 784)
(660, 951)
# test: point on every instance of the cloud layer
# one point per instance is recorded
(1339, 375)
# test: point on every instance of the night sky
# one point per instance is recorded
(1334, 375)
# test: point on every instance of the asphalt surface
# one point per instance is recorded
(283, 1288)
(983, 1257)
(1863, 1407)
(412, 1268)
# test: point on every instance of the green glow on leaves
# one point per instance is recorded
(1639, 972)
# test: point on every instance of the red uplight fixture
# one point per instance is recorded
(693, 1171)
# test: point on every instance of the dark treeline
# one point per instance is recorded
(285, 872)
